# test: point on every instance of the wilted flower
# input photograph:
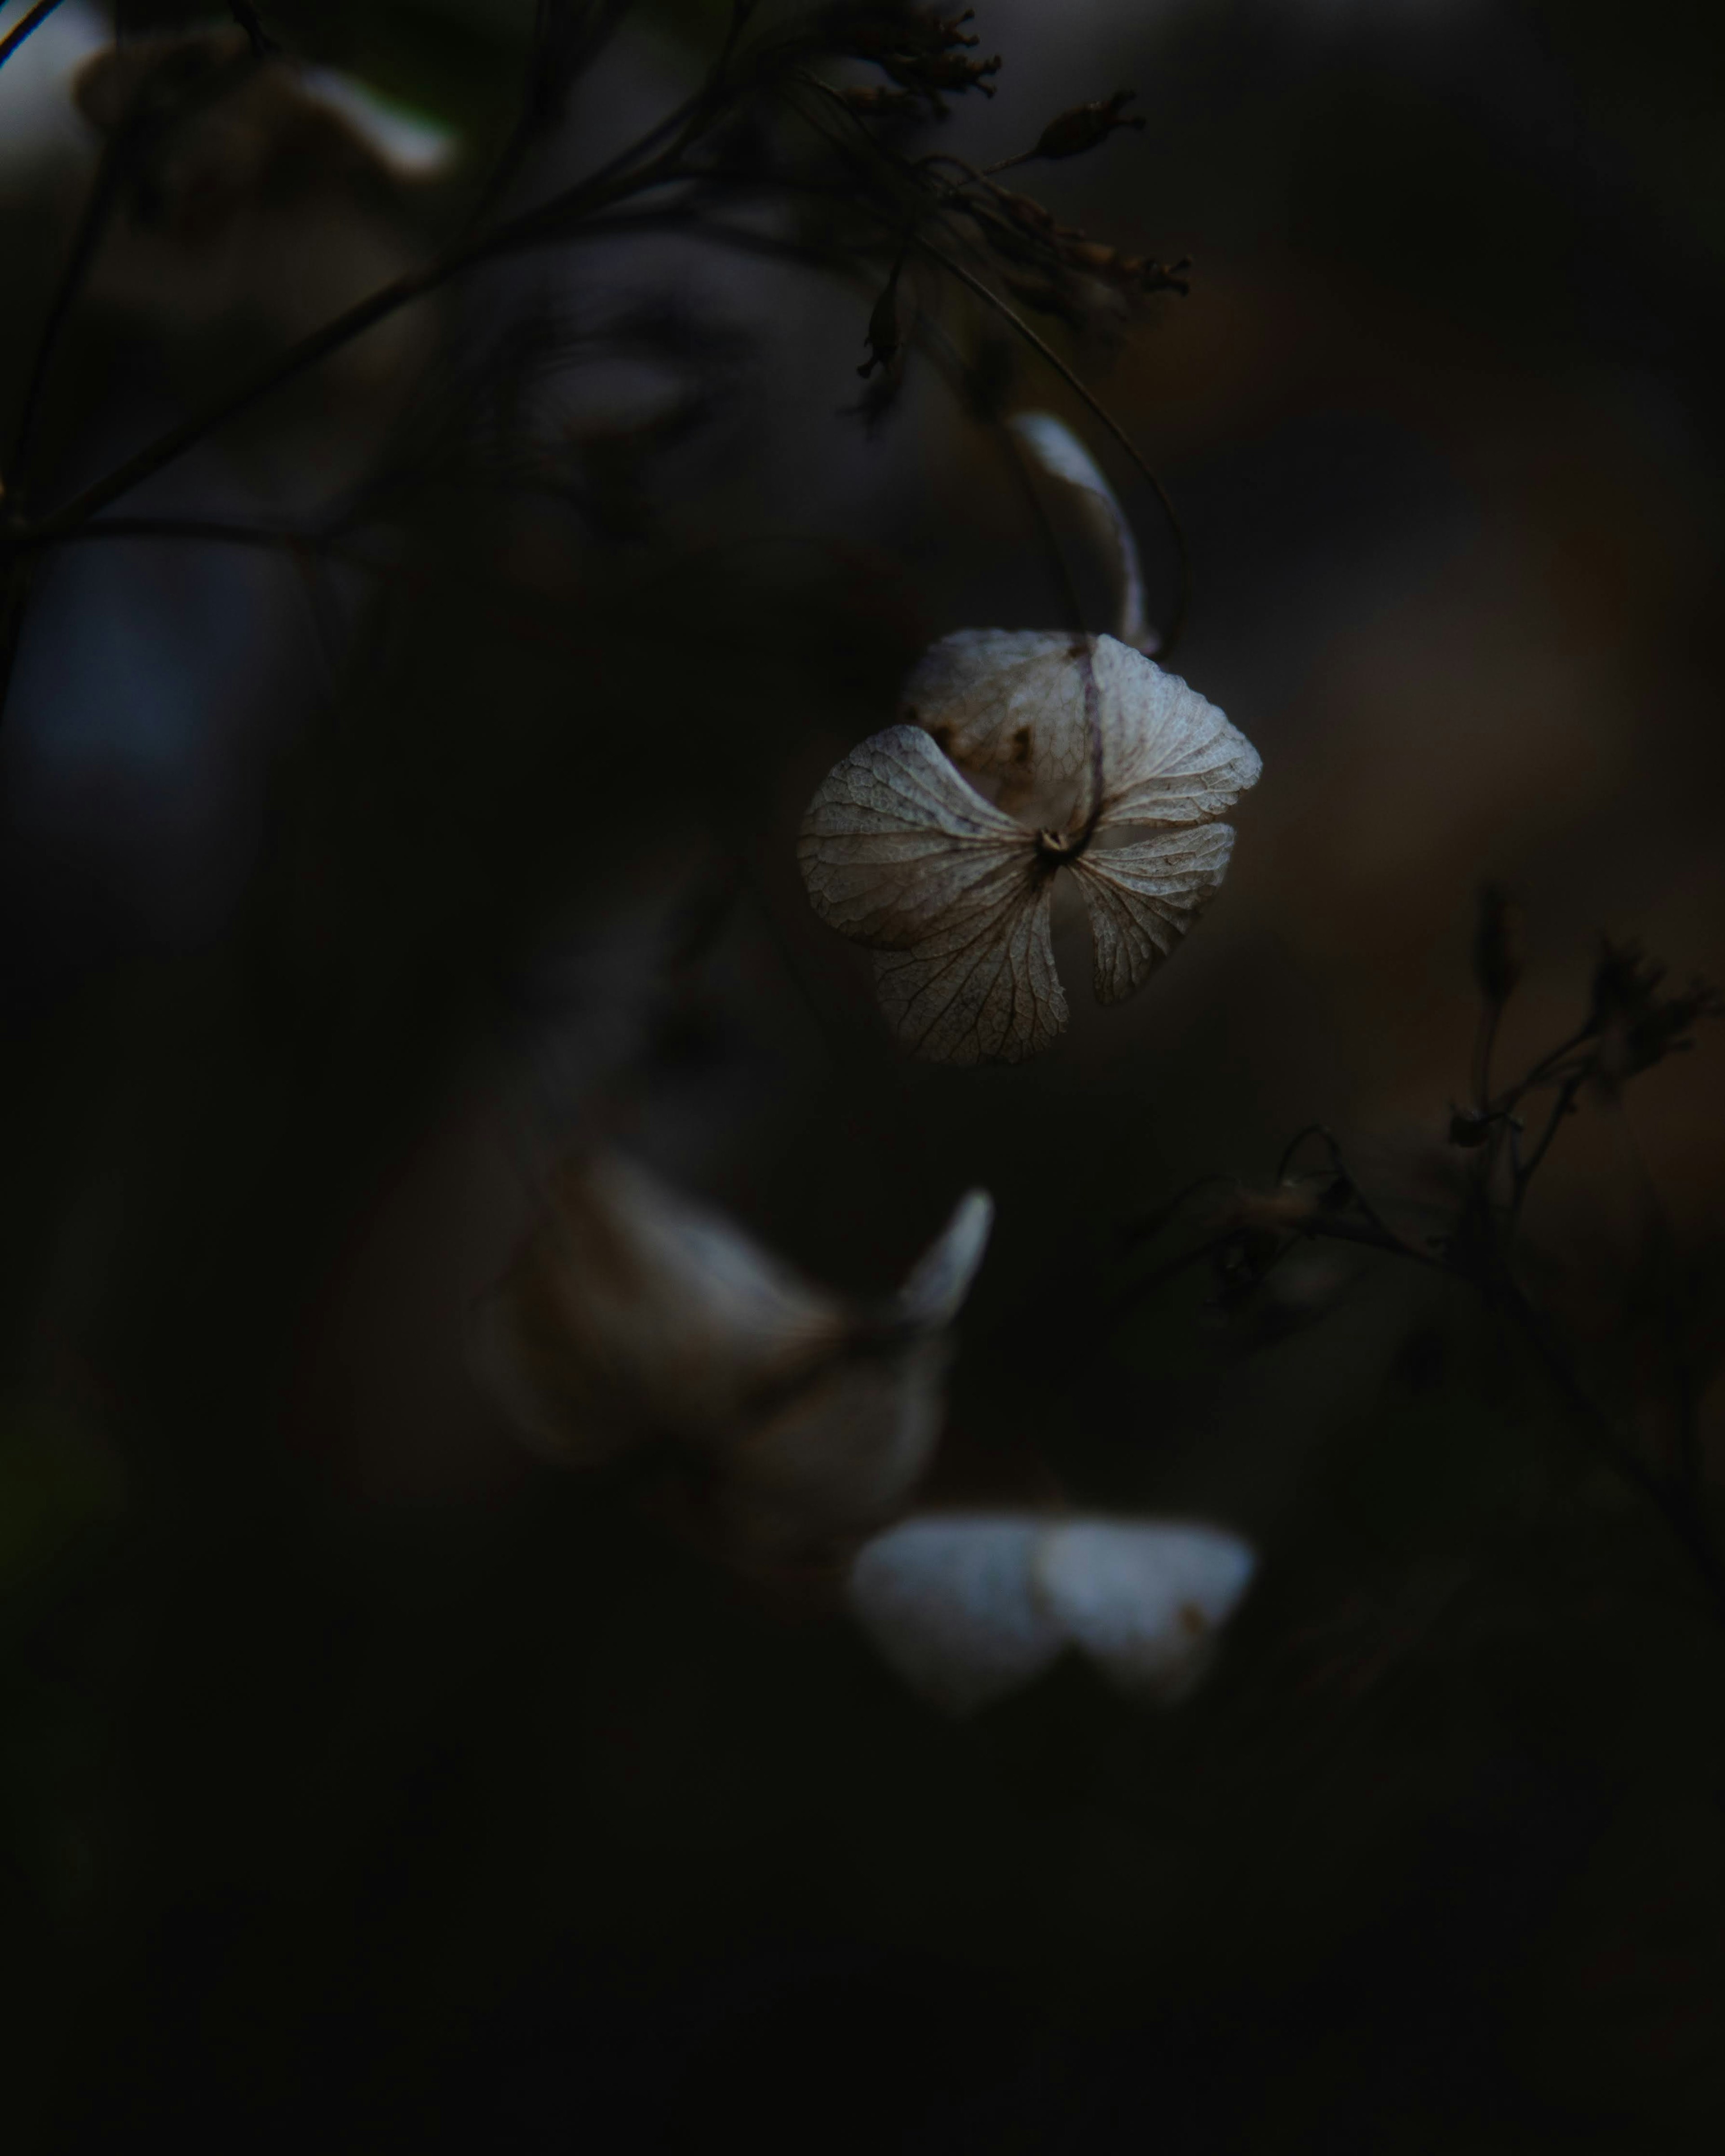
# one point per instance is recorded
(1086, 739)
(967, 1608)
(634, 1313)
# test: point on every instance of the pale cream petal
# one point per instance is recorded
(1009, 705)
(1142, 898)
(953, 897)
(1167, 756)
(981, 987)
(940, 1279)
(893, 834)
(634, 1310)
(1064, 457)
(948, 1602)
(1143, 1599)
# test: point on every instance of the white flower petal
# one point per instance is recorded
(1143, 1599)
(948, 1603)
(1009, 705)
(939, 1282)
(953, 898)
(1167, 756)
(411, 145)
(1142, 898)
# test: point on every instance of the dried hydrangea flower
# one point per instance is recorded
(1088, 741)
(634, 1313)
(967, 1608)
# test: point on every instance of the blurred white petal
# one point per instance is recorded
(1143, 1599)
(968, 1608)
(948, 1603)
(941, 1278)
(411, 145)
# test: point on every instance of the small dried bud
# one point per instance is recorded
(1468, 1127)
(1497, 944)
(1084, 126)
(1025, 212)
(923, 53)
(883, 331)
(933, 72)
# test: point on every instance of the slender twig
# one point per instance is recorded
(1491, 1014)
(1051, 358)
(1525, 1170)
(141, 133)
(1676, 1504)
(1389, 1240)
(1548, 1071)
(1662, 1247)
(34, 21)
(535, 228)
(550, 76)
(1045, 351)
(104, 195)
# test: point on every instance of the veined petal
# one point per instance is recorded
(901, 853)
(1142, 898)
(981, 987)
(895, 834)
(1009, 705)
(1167, 756)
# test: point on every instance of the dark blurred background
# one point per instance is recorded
(369, 1785)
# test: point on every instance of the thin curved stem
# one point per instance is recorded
(1183, 585)
(533, 228)
(143, 131)
(34, 21)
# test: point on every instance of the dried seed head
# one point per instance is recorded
(1638, 1024)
